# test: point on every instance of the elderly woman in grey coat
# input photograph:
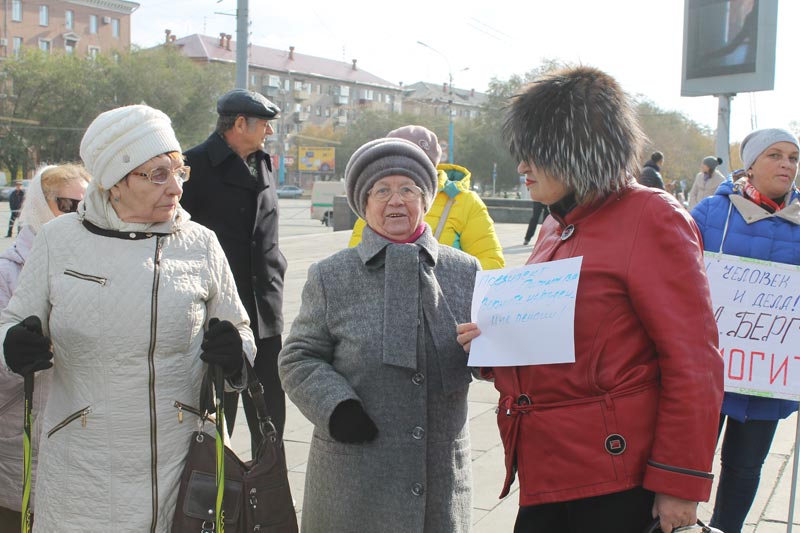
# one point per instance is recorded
(372, 360)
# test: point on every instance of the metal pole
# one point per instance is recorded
(724, 131)
(242, 19)
(793, 491)
(449, 101)
(451, 128)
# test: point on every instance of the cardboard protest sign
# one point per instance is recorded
(757, 309)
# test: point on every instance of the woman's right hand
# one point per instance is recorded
(349, 423)
(26, 348)
(466, 333)
(222, 346)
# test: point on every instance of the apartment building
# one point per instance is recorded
(84, 27)
(425, 99)
(308, 89)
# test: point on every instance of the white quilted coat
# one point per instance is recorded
(126, 318)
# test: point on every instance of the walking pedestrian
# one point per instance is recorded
(232, 192)
(539, 209)
(650, 176)
(601, 444)
(120, 301)
(54, 191)
(757, 215)
(15, 204)
(372, 361)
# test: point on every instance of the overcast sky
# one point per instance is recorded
(637, 41)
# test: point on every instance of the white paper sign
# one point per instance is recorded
(757, 309)
(526, 314)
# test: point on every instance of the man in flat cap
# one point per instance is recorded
(232, 192)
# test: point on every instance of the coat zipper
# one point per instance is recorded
(87, 277)
(71, 418)
(194, 410)
(152, 385)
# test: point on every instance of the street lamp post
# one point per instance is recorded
(450, 130)
(242, 20)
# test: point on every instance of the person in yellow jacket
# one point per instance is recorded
(458, 217)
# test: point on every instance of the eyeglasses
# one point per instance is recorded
(407, 193)
(161, 175)
(67, 205)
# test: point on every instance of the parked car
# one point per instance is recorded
(289, 191)
(5, 192)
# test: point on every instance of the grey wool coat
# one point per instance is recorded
(378, 329)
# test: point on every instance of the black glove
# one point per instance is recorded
(222, 346)
(351, 424)
(27, 349)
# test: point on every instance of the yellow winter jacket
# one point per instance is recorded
(468, 226)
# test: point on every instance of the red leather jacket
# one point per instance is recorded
(640, 405)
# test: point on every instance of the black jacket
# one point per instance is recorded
(15, 200)
(650, 176)
(222, 195)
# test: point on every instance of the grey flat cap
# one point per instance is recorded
(247, 103)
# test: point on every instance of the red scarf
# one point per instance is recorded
(752, 194)
(414, 236)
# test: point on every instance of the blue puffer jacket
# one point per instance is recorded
(752, 232)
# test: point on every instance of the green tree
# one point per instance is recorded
(52, 98)
(186, 91)
(373, 125)
(480, 145)
(49, 101)
(683, 142)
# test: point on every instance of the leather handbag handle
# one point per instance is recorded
(255, 389)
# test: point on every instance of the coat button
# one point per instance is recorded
(255, 280)
(418, 433)
(418, 378)
(417, 489)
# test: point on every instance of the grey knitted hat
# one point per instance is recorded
(711, 162)
(759, 140)
(387, 157)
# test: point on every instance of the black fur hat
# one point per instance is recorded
(578, 126)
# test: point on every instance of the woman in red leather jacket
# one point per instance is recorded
(627, 432)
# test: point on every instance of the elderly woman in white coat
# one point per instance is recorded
(127, 289)
(372, 361)
(54, 191)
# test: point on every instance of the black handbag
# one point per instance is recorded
(257, 495)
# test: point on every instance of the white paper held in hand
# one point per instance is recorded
(526, 314)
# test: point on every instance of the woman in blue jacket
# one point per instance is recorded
(755, 214)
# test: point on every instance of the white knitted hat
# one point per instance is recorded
(759, 140)
(121, 139)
